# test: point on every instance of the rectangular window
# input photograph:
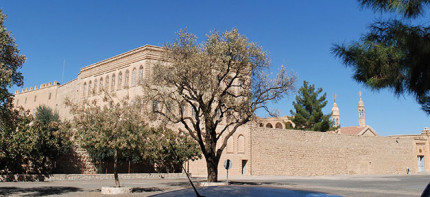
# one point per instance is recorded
(49, 97)
(35, 97)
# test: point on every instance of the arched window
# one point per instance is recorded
(241, 144)
(268, 125)
(289, 125)
(101, 85)
(119, 80)
(107, 84)
(89, 88)
(140, 74)
(127, 79)
(278, 125)
(133, 77)
(84, 89)
(95, 86)
(261, 125)
(113, 83)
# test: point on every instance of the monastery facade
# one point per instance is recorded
(262, 147)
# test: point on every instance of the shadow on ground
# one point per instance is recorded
(251, 191)
(180, 184)
(37, 191)
(258, 183)
(150, 189)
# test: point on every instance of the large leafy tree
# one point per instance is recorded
(10, 62)
(213, 88)
(114, 130)
(15, 145)
(33, 146)
(21, 144)
(394, 54)
(50, 139)
(308, 106)
(109, 130)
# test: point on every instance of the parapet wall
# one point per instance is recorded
(29, 89)
(308, 153)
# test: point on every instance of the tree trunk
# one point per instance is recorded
(115, 167)
(212, 167)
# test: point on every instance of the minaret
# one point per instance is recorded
(361, 116)
(335, 116)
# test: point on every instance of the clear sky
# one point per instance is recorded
(297, 34)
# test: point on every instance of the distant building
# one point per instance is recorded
(362, 129)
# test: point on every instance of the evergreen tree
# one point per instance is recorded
(395, 53)
(308, 106)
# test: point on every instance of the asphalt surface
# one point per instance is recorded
(355, 186)
(393, 185)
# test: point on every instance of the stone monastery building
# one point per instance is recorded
(262, 147)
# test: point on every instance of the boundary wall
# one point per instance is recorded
(309, 153)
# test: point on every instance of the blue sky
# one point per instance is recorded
(297, 34)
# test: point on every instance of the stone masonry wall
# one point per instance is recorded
(308, 153)
(238, 150)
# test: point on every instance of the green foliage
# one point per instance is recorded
(112, 130)
(308, 106)
(45, 115)
(15, 144)
(101, 129)
(170, 149)
(31, 146)
(288, 125)
(10, 62)
(408, 9)
(26, 146)
(50, 141)
(115, 131)
(393, 54)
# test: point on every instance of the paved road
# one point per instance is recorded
(396, 185)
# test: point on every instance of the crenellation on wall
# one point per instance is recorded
(35, 88)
